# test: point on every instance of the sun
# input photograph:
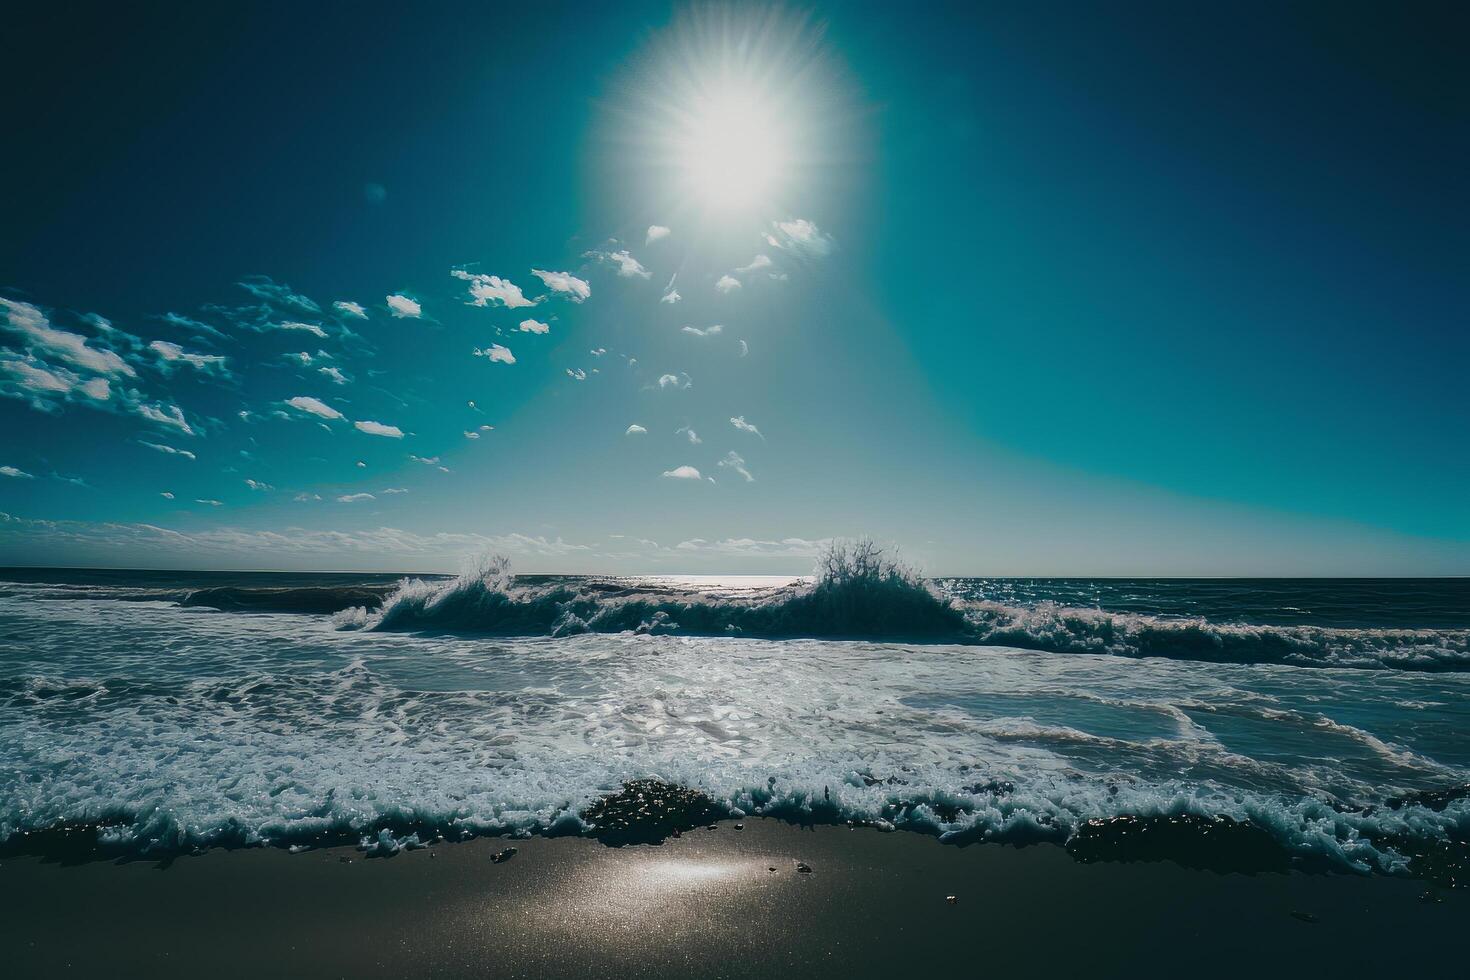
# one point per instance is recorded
(733, 151)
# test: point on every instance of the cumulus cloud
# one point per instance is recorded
(350, 308)
(169, 415)
(756, 264)
(313, 406)
(744, 426)
(674, 381)
(352, 498)
(705, 332)
(565, 283)
(628, 267)
(42, 339)
(636, 430)
(656, 233)
(257, 485)
(402, 306)
(168, 450)
(534, 326)
(378, 429)
(171, 354)
(682, 473)
(735, 464)
(799, 235)
(727, 284)
(495, 353)
(14, 473)
(488, 290)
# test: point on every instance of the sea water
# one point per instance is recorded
(163, 712)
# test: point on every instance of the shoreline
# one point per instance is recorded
(706, 904)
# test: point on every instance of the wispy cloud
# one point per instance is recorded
(42, 339)
(736, 464)
(167, 415)
(565, 283)
(278, 294)
(171, 354)
(257, 485)
(756, 264)
(335, 374)
(378, 429)
(350, 308)
(628, 267)
(674, 381)
(799, 235)
(656, 233)
(727, 284)
(168, 450)
(704, 332)
(689, 434)
(671, 295)
(352, 498)
(739, 422)
(636, 430)
(682, 473)
(488, 290)
(312, 328)
(576, 374)
(14, 473)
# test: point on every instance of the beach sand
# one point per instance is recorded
(708, 904)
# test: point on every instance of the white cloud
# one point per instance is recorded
(686, 431)
(378, 429)
(310, 328)
(301, 356)
(534, 326)
(800, 235)
(211, 503)
(576, 374)
(628, 267)
(733, 462)
(756, 264)
(564, 282)
(31, 323)
(174, 354)
(706, 332)
(727, 284)
(304, 497)
(636, 430)
(401, 306)
(656, 233)
(671, 295)
(169, 415)
(394, 490)
(493, 289)
(350, 308)
(166, 494)
(262, 287)
(744, 426)
(169, 450)
(351, 498)
(314, 406)
(335, 374)
(14, 473)
(257, 485)
(683, 473)
(496, 353)
(468, 434)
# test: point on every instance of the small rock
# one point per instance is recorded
(505, 855)
(1430, 898)
(952, 899)
(345, 860)
(803, 868)
(740, 826)
(712, 827)
(770, 869)
(1303, 916)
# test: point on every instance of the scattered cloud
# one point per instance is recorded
(683, 473)
(690, 434)
(799, 235)
(576, 374)
(636, 430)
(208, 502)
(169, 415)
(378, 429)
(744, 426)
(257, 485)
(495, 353)
(14, 473)
(671, 295)
(705, 332)
(756, 264)
(166, 494)
(335, 374)
(565, 283)
(744, 348)
(174, 354)
(674, 381)
(628, 267)
(278, 294)
(313, 406)
(352, 498)
(534, 326)
(311, 328)
(656, 233)
(42, 339)
(488, 290)
(402, 306)
(350, 308)
(394, 490)
(727, 284)
(734, 463)
(168, 450)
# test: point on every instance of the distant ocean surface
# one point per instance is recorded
(1321, 723)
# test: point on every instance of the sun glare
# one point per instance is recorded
(733, 153)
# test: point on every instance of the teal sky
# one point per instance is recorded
(1079, 291)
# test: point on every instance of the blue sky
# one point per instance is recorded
(1077, 291)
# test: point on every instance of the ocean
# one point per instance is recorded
(1237, 724)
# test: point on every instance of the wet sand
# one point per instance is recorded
(707, 904)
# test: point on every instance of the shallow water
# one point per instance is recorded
(179, 726)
